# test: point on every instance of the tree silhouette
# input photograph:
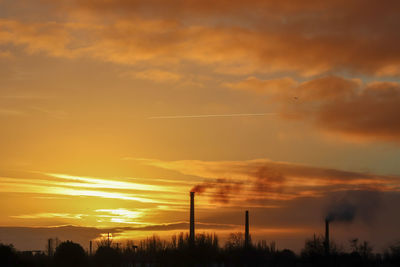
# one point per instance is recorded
(363, 250)
(107, 256)
(314, 247)
(7, 255)
(235, 241)
(393, 253)
(205, 251)
(69, 253)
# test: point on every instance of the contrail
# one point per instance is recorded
(211, 116)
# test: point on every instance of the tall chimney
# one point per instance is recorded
(50, 247)
(327, 237)
(246, 231)
(90, 248)
(191, 235)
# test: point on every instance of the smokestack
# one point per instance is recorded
(90, 248)
(246, 231)
(50, 247)
(191, 235)
(327, 237)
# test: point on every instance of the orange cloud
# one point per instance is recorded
(339, 105)
(235, 37)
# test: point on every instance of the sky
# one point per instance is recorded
(112, 111)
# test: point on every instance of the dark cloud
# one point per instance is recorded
(350, 205)
(369, 112)
(339, 105)
(221, 189)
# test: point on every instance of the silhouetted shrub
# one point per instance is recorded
(393, 253)
(69, 253)
(313, 247)
(8, 255)
(235, 241)
(107, 256)
(285, 257)
(362, 250)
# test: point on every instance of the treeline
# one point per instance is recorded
(205, 251)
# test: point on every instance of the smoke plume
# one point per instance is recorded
(354, 204)
(342, 212)
(220, 189)
(263, 180)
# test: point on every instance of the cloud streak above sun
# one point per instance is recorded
(90, 187)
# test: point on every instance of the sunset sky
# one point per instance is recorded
(112, 110)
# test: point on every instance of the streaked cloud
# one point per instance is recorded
(48, 215)
(11, 112)
(57, 114)
(55, 190)
(81, 186)
(154, 75)
(211, 116)
(112, 184)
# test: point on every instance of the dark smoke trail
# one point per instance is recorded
(268, 180)
(201, 188)
(264, 180)
(342, 212)
(363, 204)
(221, 189)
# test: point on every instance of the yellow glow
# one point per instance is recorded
(103, 183)
(120, 215)
(50, 215)
(122, 212)
(25, 188)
